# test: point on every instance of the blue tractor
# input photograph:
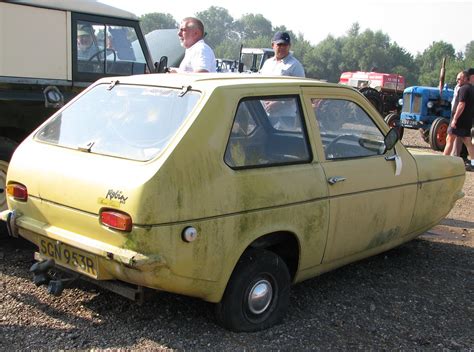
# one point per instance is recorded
(427, 109)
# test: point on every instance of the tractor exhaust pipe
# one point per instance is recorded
(442, 76)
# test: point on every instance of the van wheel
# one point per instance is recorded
(257, 294)
(7, 147)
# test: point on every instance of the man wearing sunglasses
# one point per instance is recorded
(198, 56)
(283, 63)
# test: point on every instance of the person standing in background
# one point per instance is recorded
(283, 63)
(198, 57)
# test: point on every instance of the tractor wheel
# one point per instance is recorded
(425, 135)
(374, 97)
(438, 133)
(393, 120)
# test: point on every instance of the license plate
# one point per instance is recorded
(409, 122)
(70, 257)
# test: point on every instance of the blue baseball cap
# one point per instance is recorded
(281, 37)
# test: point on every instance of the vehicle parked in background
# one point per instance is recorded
(383, 90)
(226, 189)
(428, 110)
(53, 50)
(252, 59)
(226, 65)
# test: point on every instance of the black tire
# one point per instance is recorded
(7, 147)
(393, 121)
(256, 269)
(438, 133)
(425, 135)
(374, 97)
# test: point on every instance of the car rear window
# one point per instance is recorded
(133, 122)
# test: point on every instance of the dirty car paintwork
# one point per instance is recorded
(289, 208)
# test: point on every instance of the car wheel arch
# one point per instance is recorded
(285, 244)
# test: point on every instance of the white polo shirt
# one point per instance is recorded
(198, 57)
(288, 66)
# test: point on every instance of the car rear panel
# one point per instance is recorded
(69, 188)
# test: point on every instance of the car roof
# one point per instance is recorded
(84, 6)
(214, 80)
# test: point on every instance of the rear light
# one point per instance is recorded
(17, 191)
(116, 220)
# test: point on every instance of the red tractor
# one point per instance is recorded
(383, 90)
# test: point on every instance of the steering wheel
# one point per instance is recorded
(330, 146)
(105, 52)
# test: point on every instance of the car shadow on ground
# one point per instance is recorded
(457, 223)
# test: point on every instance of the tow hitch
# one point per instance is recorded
(41, 276)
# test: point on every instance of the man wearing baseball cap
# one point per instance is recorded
(283, 63)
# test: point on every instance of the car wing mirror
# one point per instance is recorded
(162, 66)
(391, 139)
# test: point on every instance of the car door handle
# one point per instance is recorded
(398, 163)
(335, 179)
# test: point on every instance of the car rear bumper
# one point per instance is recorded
(99, 261)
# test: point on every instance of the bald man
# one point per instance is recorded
(198, 56)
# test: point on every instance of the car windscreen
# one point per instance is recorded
(133, 122)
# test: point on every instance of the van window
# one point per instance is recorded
(132, 122)
(108, 49)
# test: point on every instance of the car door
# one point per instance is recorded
(372, 192)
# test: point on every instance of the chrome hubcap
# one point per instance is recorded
(260, 296)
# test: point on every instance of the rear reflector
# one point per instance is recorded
(17, 191)
(116, 220)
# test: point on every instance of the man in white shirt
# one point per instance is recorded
(198, 56)
(283, 63)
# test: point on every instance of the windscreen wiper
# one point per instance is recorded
(87, 148)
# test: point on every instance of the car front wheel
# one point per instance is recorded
(257, 294)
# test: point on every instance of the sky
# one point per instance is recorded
(412, 24)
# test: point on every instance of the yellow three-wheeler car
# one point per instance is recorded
(229, 188)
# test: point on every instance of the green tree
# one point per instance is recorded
(469, 55)
(323, 61)
(429, 62)
(251, 26)
(218, 24)
(402, 62)
(151, 21)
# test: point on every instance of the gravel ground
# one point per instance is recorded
(415, 297)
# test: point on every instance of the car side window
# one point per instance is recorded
(346, 130)
(266, 132)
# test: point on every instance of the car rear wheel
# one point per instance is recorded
(393, 120)
(257, 294)
(438, 133)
